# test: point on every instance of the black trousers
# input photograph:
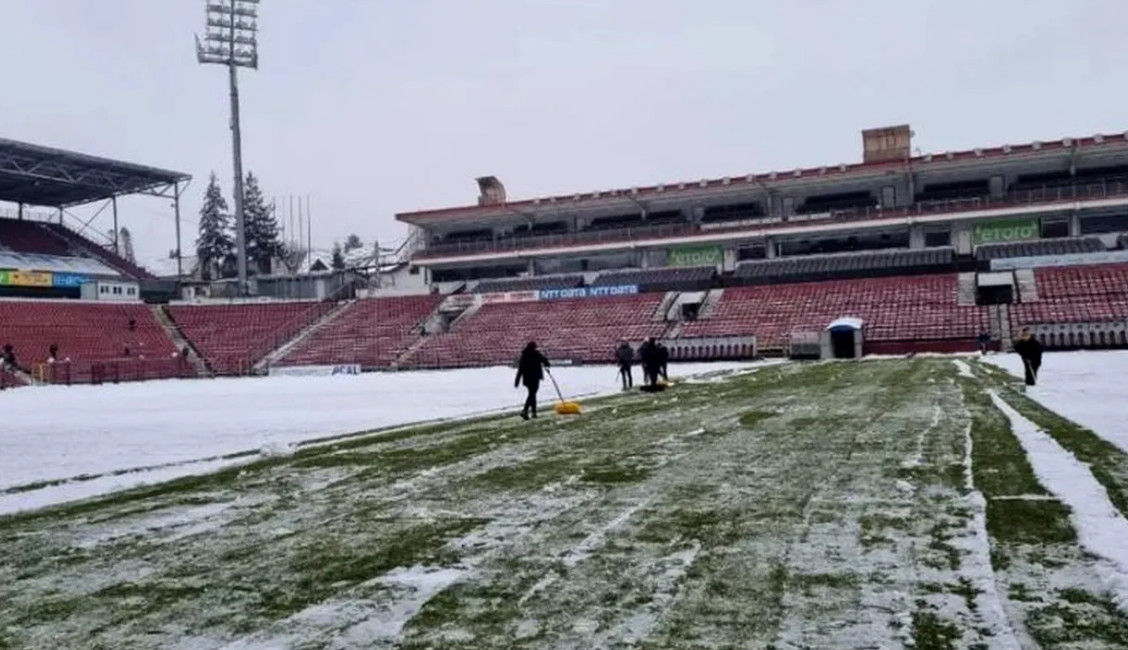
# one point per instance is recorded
(651, 374)
(1031, 368)
(626, 375)
(531, 398)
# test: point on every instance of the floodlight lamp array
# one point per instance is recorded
(230, 37)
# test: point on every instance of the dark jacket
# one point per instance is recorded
(530, 367)
(625, 354)
(1030, 350)
(650, 355)
(663, 355)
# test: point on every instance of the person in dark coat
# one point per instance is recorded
(650, 357)
(663, 361)
(530, 371)
(9, 359)
(625, 356)
(984, 341)
(1030, 349)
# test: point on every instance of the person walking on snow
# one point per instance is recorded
(1029, 349)
(530, 371)
(625, 356)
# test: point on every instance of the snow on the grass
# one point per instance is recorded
(1086, 387)
(1100, 527)
(72, 491)
(361, 623)
(978, 548)
(156, 431)
(963, 368)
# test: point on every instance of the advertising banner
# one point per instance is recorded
(1073, 259)
(588, 292)
(316, 371)
(69, 280)
(25, 278)
(1009, 230)
(509, 296)
(695, 256)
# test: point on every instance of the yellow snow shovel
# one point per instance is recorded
(563, 407)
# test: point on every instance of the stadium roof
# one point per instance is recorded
(686, 189)
(43, 176)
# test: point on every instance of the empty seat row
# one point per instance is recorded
(372, 332)
(841, 263)
(893, 309)
(1039, 247)
(658, 276)
(580, 329)
(232, 338)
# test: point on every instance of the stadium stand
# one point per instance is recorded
(1036, 248)
(1076, 294)
(583, 329)
(372, 332)
(843, 265)
(95, 337)
(83, 245)
(232, 338)
(908, 310)
(538, 283)
(31, 237)
(39, 246)
(663, 279)
(38, 262)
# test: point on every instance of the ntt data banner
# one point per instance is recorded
(1073, 259)
(69, 280)
(588, 292)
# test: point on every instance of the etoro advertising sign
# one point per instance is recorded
(1000, 232)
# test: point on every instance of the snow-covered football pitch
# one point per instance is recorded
(924, 503)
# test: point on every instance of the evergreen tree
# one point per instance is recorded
(338, 262)
(352, 243)
(261, 228)
(214, 244)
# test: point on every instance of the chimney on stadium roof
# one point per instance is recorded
(887, 144)
(491, 191)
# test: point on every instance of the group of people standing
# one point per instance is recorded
(532, 364)
(653, 356)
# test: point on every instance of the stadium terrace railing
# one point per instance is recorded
(112, 371)
(1033, 197)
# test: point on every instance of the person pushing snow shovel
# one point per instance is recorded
(530, 371)
(1029, 349)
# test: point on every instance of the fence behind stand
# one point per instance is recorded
(112, 371)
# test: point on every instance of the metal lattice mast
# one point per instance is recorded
(230, 39)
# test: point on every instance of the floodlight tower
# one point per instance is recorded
(230, 40)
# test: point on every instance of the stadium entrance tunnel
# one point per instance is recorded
(843, 339)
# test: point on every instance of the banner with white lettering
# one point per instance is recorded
(588, 292)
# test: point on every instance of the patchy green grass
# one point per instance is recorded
(793, 507)
(1107, 462)
(1034, 543)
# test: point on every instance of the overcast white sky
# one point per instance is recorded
(373, 107)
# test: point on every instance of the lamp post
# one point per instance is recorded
(230, 39)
